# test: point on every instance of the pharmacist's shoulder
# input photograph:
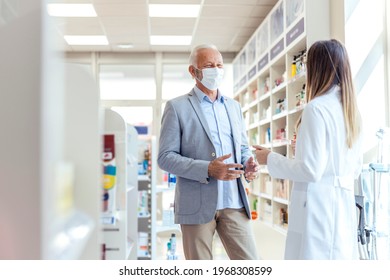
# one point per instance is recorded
(332, 96)
(329, 102)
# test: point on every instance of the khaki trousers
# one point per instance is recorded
(234, 229)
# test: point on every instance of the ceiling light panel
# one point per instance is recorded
(170, 40)
(71, 10)
(86, 40)
(173, 10)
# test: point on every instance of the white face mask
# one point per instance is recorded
(212, 77)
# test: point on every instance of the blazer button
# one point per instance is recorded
(213, 154)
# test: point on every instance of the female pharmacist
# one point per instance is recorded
(322, 218)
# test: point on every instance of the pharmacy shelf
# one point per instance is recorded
(119, 223)
(171, 228)
(269, 83)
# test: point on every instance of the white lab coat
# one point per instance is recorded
(322, 212)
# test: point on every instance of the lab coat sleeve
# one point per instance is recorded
(311, 151)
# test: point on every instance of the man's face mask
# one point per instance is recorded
(212, 77)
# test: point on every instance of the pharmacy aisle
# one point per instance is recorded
(163, 253)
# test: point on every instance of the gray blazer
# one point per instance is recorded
(186, 149)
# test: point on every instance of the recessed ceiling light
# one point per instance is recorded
(71, 10)
(170, 40)
(125, 46)
(172, 10)
(86, 40)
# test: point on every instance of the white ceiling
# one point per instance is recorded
(226, 23)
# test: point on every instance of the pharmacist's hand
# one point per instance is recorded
(251, 169)
(261, 154)
(225, 171)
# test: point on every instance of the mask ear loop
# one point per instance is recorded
(331, 61)
(196, 71)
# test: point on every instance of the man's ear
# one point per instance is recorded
(191, 69)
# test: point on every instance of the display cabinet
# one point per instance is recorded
(119, 192)
(271, 90)
(147, 198)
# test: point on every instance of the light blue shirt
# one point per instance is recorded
(221, 133)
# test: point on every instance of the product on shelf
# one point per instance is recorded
(294, 67)
(143, 244)
(300, 97)
(169, 252)
(254, 211)
(147, 161)
(281, 188)
(254, 94)
(103, 252)
(268, 136)
(165, 176)
(280, 134)
(109, 180)
(173, 243)
(143, 207)
(283, 216)
(267, 84)
(144, 167)
(301, 62)
(171, 180)
(171, 248)
(278, 81)
(280, 105)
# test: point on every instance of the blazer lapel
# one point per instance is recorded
(232, 119)
(198, 110)
(230, 110)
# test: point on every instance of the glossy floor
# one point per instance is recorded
(163, 238)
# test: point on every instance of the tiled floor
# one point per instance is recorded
(269, 243)
(163, 238)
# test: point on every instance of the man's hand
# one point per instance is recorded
(251, 169)
(225, 171)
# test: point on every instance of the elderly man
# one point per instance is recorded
(203, 142)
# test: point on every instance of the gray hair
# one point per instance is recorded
(194, 52)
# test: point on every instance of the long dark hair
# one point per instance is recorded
(328, 65)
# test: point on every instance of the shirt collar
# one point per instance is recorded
(201, 96)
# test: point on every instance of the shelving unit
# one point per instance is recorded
(49, 200)
(165, 215)
(147, 199)
(131, 191)
(82, 121)
(144, 251)
(271, 93)
(165, 225)
(150, 223)
(119, 216)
